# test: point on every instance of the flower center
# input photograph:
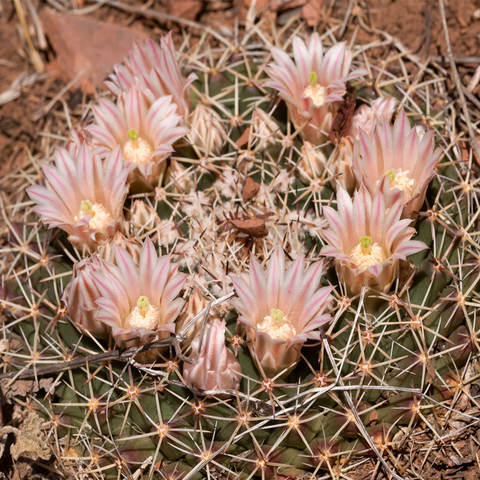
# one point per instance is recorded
(315, 92)
(144, 315)
(137, 150)
(400, 179)
(367, 253)
(277, 325)
(99, 217)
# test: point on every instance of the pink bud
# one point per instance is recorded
(80, 297)
(341, 164)
(107, 250)
(216, 368)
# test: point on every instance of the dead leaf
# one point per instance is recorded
(243, 140)
(31, 439)
(373, 418)
(81, 43)
(343, 118)
(255, 227)
(250, 189)
(430, 376)
(22, 388)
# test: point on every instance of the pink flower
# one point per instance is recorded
(80, 297)
(83, 196)
(314, 85)
(146, 135)
(282, 311)
(399, 153)
(157, 71)
(365, 116)
(139, 301)
(367, 240)
(216, 368)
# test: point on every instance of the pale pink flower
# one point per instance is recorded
(83, 196)
(281, 310)
(367, 239)
(156, 69)
(381, 109)
(80, 297)
(216, 367)
(400, 154)
(314, 85)
(146, 135)
(141, 301)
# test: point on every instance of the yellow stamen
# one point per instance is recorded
(276, 314)
(144, 315)
(137, 151)
(99, 217)
(365, 242)
(277, 325)
(390, 174)
(400, 179)
(314, 91)
(132, 135)
(142, 302)
(86, 206)
(367, 254)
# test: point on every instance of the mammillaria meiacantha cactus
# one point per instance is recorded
(204, 330)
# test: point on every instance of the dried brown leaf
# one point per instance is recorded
(255, 227)
(373, 418)
(31, 439)
(243, 140)
(22, 388)
(250, 189)
(343, 118)
(430, 376)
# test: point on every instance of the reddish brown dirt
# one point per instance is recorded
(417, 23)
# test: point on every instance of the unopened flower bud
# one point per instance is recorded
(180, 179)
(80, 297)
(107, 250)
(195, 305)
(216, 368)
(264, 127)
(340, 164)
(365, 117)
(312, 163)
(142, 216)
(207, 130)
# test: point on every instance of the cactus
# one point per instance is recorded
(244, 191)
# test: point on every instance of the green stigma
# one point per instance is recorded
(313, 77)
(276, 314)
(86, 206)
(365, 242)
(142, 302)
(390, 174)
(132, 135)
